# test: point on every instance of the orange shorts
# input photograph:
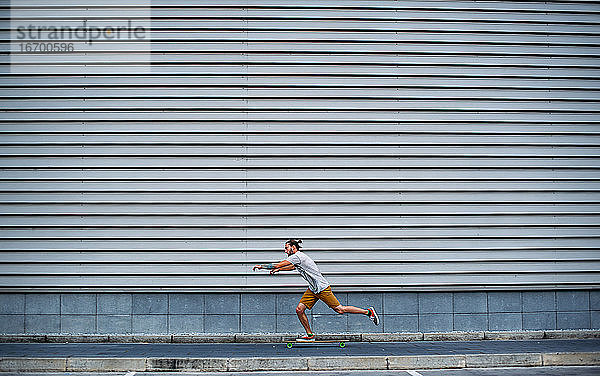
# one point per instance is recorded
(310, 298)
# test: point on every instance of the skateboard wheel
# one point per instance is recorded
(289, 345)
(342, 344)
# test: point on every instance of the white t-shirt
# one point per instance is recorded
(309, 271)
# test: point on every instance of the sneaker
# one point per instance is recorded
(373, 316)
(307, 338)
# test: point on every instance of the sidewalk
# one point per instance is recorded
(365, 355)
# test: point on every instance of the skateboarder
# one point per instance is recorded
(318, 287)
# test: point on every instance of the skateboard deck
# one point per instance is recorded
(340, 343)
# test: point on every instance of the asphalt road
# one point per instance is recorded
(520, 371)
(239, 350)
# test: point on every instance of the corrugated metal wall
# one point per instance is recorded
(428, 145)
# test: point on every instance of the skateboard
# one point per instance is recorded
(340, 343)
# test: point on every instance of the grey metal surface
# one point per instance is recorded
(439, 145)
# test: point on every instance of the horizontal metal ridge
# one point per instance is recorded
(266, 214)
(394, 17)
(299, 62)
(378, 121)
(246, 156)
(283, 190)
(544, 77)
(331, 260)
(267, 226)
(321, 249)
(400, 202)
(333, 237)
(321, 260)
(356, 29)
(373, 144)
(482, 109)
(331, 52)
(156, 41)
(350, 273)
(299, 167)
(395, 7)
(397, 131)
(83, 179)
(456, 98)
(131, 85)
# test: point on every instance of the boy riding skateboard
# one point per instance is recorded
(318, 287)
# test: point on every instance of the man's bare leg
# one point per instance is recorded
(350, 309)
(302, 317)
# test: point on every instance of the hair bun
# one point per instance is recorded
(295, 242)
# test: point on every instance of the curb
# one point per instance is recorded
(299, 363)
(275, 338)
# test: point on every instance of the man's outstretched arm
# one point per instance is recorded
(282, 265)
